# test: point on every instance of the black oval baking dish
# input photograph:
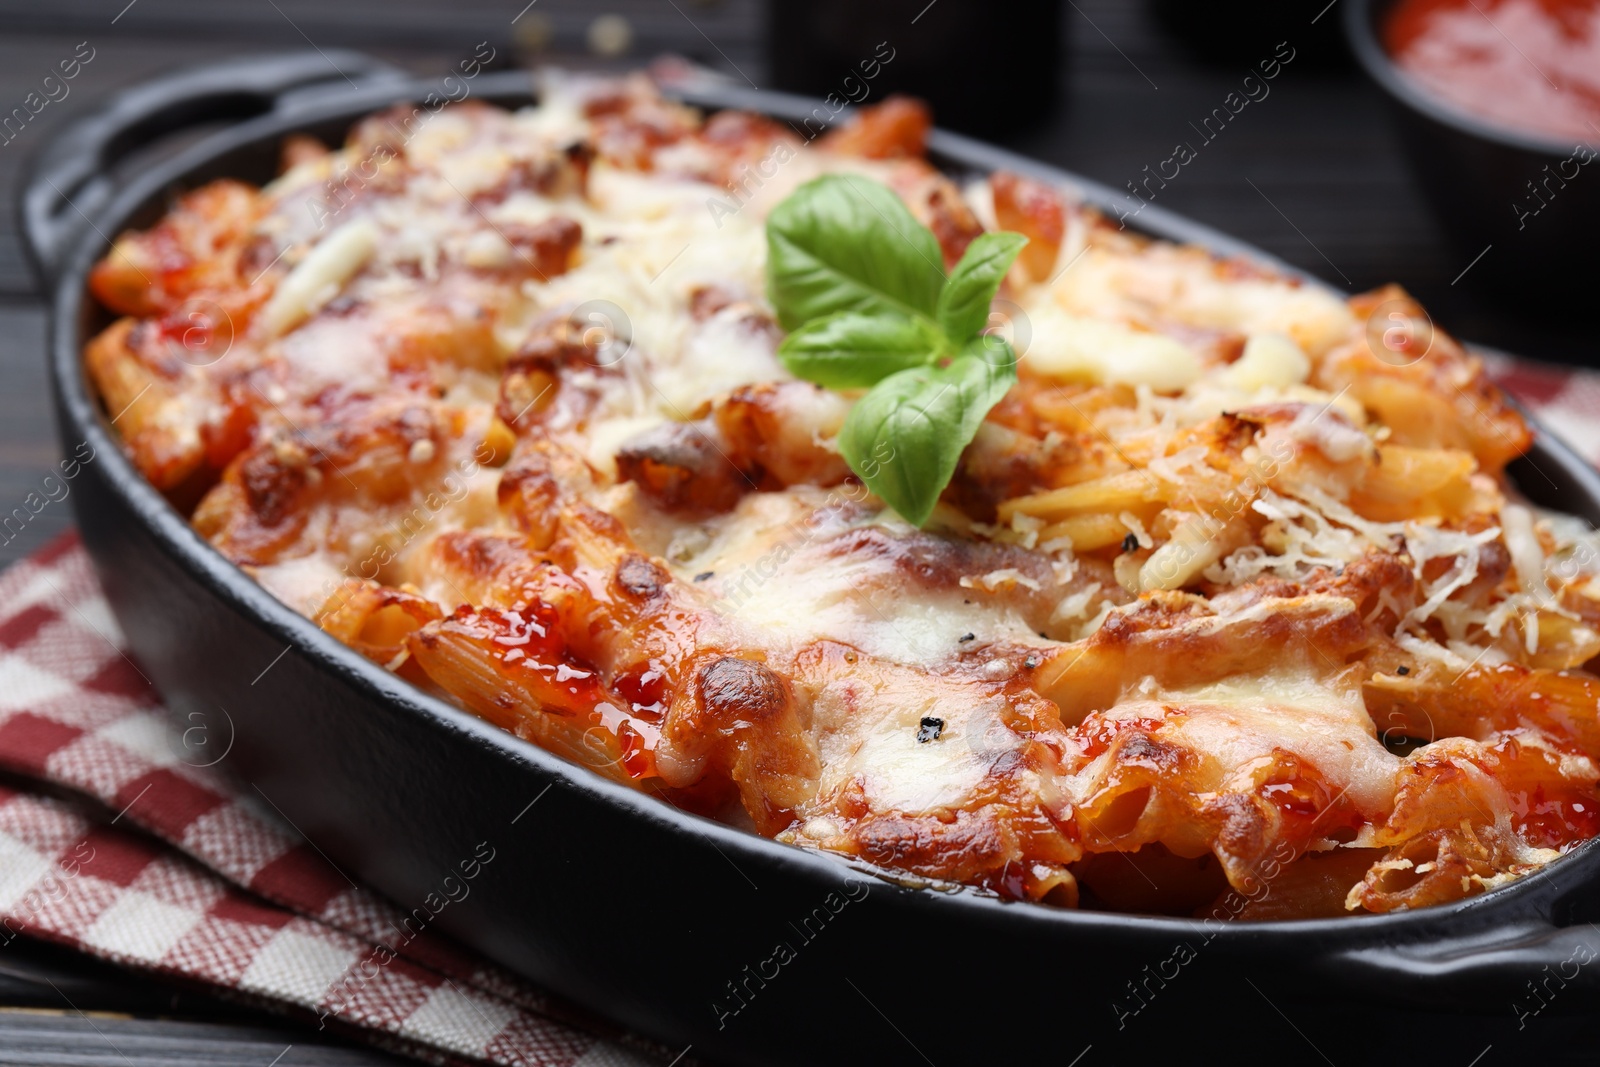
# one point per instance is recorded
(1522, 193)
(664, 922)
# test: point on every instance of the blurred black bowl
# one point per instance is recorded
(1480, 180)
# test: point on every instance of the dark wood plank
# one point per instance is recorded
(27, 438)
(61, 1007)
(658, 25)
(71, 1039)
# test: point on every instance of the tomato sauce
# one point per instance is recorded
(1530, 65)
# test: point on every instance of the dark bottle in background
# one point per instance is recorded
(989, 69)
(1242, 31)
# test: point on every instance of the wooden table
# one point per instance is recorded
(1312, 174)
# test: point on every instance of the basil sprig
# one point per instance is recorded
(860, 284)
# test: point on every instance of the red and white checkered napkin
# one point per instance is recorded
(235, 900)
(1565, 400)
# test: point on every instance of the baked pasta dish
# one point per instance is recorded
(1220, 594)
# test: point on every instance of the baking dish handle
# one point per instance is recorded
(1523, 966)
(72, 179)
(1522, 950)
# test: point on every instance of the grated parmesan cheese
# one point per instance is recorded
(318, 278)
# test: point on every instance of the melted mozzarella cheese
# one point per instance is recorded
(1232, 722)
(1184, 285)
(1269, 360)
(304, 583)
(777, 573)
(334, 352)
(1077, 347)
(867, 731)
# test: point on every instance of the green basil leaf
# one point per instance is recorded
(964, 304)
(905, 437)
(846, 243)
(853, 351)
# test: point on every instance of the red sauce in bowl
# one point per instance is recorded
(1530, 65)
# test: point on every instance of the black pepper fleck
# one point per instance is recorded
(930, 729)
(966, 637)
(1402, 670)
(1031, 662)
(1130, 542)
(703, 575)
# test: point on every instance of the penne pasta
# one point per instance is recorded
(1113, 493)
(1417, 483)
(1224, 608)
